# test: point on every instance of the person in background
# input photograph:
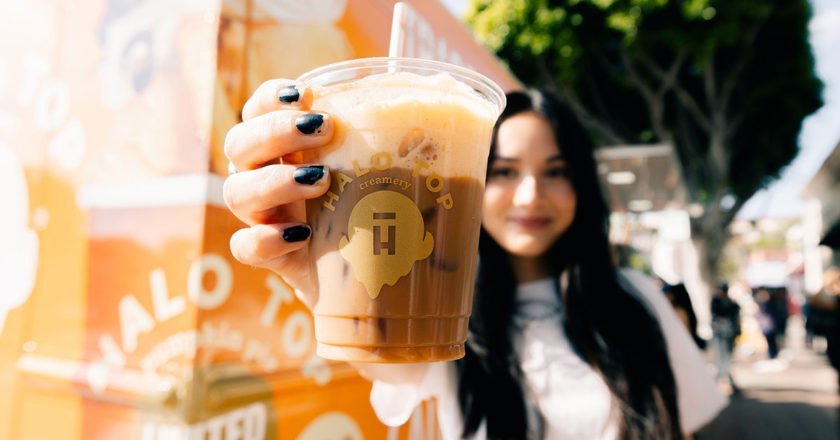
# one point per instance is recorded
(781, 312)
(562, 345)
(827, 302)
(726, 326)
(679, 298)
(766, 317)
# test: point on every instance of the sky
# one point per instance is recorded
(820, 131)
(456, 7)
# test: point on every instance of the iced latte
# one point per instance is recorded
(395, 238)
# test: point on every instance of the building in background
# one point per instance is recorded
(822, 221)
(650, 221)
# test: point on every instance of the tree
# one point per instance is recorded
(726, 82)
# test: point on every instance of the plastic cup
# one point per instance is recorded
(395, 239)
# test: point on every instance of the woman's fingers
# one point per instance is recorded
(249, 195)
(263, 245)
(277, 94)
(282, 248)
(270, 197)
(267, 137)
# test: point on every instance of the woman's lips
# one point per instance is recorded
(530, 222)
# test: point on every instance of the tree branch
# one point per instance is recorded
(732, 80)
(690, 104)
(592, 124)
(718, 156)
(607, 135)
(709, 85)
(688, 154)
(654, 100)
(711, 220)
(732, 127)
(669, 78)
(730, 215)
(610, 68)
(634, 76)
(600, 107)
(724, 126)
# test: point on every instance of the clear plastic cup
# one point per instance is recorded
(395, 239)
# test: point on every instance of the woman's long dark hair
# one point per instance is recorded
(680, 299)
(608, 327)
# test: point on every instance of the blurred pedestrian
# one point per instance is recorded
(781, 312)
(561, 343)
(827, 301)
(680, 300)
(820, 318)
(766, 317)
(726, 326)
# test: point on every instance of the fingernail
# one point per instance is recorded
(296, 233)
(309, 175)
(310, 123)
(288, 94)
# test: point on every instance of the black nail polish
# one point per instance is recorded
(296, 233)
(309, 123)
(288, 94)
(309, 175)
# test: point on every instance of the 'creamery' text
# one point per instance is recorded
(381, 162)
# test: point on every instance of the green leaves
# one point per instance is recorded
(727, 81)
(530, 32)
(698, 9)
(626, 22)
(603, 4)
(490, 22)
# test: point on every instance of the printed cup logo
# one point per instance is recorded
(386, 237)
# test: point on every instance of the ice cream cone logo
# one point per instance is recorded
(387, 236)
(333, 425)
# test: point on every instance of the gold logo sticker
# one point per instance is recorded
(386, 237)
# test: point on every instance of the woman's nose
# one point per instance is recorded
(526, 191)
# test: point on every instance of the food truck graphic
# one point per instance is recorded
(123, 313)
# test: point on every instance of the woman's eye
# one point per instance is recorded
(557, 172)
(501, 172)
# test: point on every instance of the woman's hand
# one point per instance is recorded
(270, 186)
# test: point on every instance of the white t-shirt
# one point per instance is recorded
(573, 399)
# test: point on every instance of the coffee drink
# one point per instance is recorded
(395, 238)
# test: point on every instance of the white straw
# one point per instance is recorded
(397, 30)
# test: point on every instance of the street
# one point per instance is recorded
(792, 397)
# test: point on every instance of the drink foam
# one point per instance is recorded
(434, 119)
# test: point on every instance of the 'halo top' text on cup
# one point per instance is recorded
(395, 239)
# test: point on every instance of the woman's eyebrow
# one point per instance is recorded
(557, 157)
(508, 159)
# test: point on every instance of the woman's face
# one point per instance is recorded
(529, 201)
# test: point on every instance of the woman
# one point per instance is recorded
(561, 345)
